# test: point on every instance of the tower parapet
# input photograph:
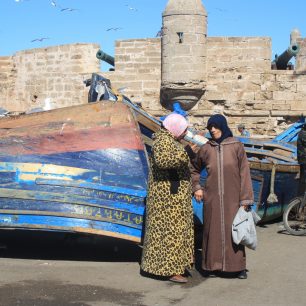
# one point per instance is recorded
(183, 53)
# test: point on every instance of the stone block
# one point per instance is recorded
(283, 75)
(264, 95)
(288, 113)
(155, 60)
(214, 95)
(123, 58)
(248, 113)
(151, 84)
(262, 106)
(298, 105)
(285, 95)
(281, 107)
(76, 57)
(124, 44)
(301, 86)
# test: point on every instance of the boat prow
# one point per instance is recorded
(78, 169)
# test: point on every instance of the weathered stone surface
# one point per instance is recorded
(48, 73)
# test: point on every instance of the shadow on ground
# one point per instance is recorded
(66, 246)
(50, 293)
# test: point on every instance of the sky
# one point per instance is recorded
(28, 24)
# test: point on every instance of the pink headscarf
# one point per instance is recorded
(176, 124)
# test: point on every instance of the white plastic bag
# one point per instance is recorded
(243, 229)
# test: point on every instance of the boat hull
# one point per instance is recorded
(78, 169)
(284, 185)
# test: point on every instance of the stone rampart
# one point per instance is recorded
(56, 73)
(240, 83)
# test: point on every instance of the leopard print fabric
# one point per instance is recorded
(169, 235)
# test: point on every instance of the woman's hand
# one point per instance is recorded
(246, 207)
(199, 195)
(195, 148)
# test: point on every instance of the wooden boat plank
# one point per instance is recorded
(63, 224)
(29, 197)
(137, 224)
(268, 154)
(258, 165)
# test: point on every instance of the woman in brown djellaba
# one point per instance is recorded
(228, 186)
(169, 238)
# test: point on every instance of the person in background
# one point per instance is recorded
(168, 248)
(243, 131)
(301, 156)
(228, 186)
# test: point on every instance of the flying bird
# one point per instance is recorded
(131, 8)
(40, 39)
(113, 29)
(53, 3)
(220, 9)
(159, 33)
(69, 9)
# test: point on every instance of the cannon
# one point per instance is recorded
(105, 57)
(281, 62)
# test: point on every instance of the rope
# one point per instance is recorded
(272, 198)
(117, 94)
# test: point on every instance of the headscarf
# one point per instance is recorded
(220, 122)
(176, 124)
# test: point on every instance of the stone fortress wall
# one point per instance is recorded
(238, 81)
(29, 77)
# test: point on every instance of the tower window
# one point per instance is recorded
(180, 35)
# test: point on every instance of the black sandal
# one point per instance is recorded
(242, 275)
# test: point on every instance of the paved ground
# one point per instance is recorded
(68, 271)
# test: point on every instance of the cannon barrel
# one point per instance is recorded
(281, 61)
(105, 57)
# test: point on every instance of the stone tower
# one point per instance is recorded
(184, 36)
(294, 36)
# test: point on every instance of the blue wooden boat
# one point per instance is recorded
(79, 169)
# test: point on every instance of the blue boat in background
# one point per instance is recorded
(84, 169)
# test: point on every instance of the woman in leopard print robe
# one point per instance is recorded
(169, 237)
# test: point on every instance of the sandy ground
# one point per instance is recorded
(68, 270)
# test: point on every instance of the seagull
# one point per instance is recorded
(69, 9)
(159, 33)
(121, 90)
(131, 8)
(113, 29)
(53, 3)
(40, 39)
(220, 9)
(3, 112)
